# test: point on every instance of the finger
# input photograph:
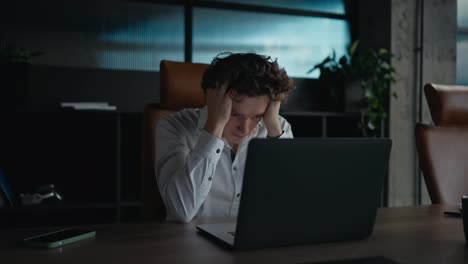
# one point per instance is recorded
(274, 104)
(211, 95)
(228, 102)
(223, 88)
(280, 97)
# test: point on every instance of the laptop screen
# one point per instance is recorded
(304, 190)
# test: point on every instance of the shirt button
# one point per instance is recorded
(235, 168)
(209, 178)
(217, 151)
(238, 195)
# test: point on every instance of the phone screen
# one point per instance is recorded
(59, 235)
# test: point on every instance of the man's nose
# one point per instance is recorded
(244, 125)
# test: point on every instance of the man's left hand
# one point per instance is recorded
(271, 119)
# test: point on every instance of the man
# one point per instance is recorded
(201, 153)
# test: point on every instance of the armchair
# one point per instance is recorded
(443, 147)
(180, 86)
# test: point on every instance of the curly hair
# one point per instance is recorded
(247, 74)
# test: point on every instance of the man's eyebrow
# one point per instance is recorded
(233, 112)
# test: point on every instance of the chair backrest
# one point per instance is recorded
(180, 87)
(443, 147)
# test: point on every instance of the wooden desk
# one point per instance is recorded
(407, 235)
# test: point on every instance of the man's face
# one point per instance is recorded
(245, 115)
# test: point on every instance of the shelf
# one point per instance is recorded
(58, 207)
(319, 113)
(82, 154)
(130, 204)
(323, 124)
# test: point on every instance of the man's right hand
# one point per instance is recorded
(219, 106)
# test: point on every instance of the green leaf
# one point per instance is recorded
(353, 48)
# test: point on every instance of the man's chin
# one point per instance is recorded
(237, 139)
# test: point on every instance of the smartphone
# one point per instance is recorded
(59, 238)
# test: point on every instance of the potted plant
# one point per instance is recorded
(363, 80)
(14, 64)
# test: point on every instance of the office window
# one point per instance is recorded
(127, 36)
(328, 6)
(140, 37)
(132, 35)
(462, 42)
(298, 42)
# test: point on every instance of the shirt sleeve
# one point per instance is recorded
(184, 174)
(287, 130)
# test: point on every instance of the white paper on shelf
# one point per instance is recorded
(89, 106)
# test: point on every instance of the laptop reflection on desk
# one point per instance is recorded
(307, 190)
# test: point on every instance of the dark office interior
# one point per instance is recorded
(109, 51)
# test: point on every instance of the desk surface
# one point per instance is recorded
(405, 234)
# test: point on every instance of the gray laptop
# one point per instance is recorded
(307, 190)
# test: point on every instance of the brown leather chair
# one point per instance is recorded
(443, 147)
(180, 86)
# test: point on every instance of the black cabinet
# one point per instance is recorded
(92, 158)
(323, 124)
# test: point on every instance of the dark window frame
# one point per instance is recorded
(189, 5)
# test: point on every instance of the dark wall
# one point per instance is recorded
(374, 24)
(128, 90)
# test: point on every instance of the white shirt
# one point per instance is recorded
(196, 175)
